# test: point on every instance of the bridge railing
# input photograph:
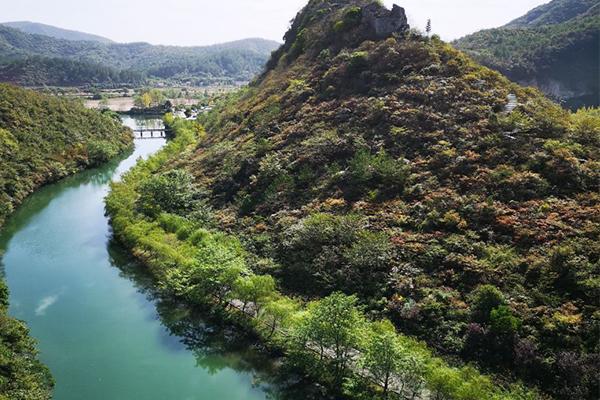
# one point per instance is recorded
(156, 133)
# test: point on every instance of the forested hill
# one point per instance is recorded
(42, 139)
(386, 164)
(53, 31)
(33, 60)
(555, 47)
(553, 12)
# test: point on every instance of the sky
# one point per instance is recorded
(202, 22)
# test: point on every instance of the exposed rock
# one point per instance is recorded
(383, 22)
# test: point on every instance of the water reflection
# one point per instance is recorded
(96, 177)
(143, 122)
(216, 345)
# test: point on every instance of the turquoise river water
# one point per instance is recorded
(101, 329)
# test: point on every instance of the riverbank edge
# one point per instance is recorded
(164, 241)
(15, 336)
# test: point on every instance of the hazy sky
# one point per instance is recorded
(200, 22)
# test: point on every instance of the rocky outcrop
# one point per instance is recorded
(383, 22)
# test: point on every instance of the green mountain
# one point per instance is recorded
(53, 31)
(555, 47)
(554, 12)
(35, 60)
(376, 162)
(42, 139)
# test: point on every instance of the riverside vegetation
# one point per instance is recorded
(365, 179)
(42, 139)
(192, 260)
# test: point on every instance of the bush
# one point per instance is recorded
(171, 192)
(379, 171)
(359, 60)
(101, 152)
(503, 322)
(483, 300)
(351, 19)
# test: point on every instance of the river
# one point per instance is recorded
(101, 329)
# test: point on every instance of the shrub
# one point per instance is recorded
(483, 300)
(351, 19)
(585, 126)
(172, 192)
(503, 322)
(359, 60)
(379, 171)
(100, 152)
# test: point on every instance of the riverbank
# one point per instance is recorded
(101, 327)
(42, 140)
(195, 262)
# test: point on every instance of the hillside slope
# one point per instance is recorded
(386, 166)
(553, 12)
(555, 47)
(125, 63)
(42, 139)
(373, 161)
(55, 32)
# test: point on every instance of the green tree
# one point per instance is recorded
(277, 314)
(503, 322)
(254, 289)
(172, 192)
(144, 100)
(483, 300)
(382, 355)
(333, 324)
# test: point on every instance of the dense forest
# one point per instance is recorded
(42, 139)
(37, 60)
(46, 71)
(555, 47)
(368, 184)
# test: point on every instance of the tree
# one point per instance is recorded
(483, 300)
(171, 192)
(503, 322)
(144, 100)
(428, 27)
(382, 353)
(277, 313)
(254, 289)
(333, 324)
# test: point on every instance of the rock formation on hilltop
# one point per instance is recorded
(384, 22)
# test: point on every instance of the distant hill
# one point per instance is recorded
(555, 47)
(555, 12)
(53, 31)
(35, 60)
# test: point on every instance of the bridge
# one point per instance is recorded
(150, 133)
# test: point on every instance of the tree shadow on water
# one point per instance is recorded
(216, 344)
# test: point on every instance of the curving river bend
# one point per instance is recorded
(101, 330)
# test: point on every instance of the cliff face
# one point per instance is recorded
(389, 166)
(555, 47)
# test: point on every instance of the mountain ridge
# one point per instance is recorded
(555, 47)
(233, 61)
(54, 31)
(553, 12)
